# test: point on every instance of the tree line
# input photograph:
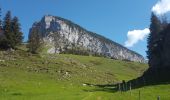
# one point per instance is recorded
(11, 35)
(158, 50)
(35, 41)
(157, 44)
(10, 31)
(158, 54)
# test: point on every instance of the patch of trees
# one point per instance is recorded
(34, 41)
(79, 50)
(158, 55)
(10, 32)
(158, 51)
(156, 41)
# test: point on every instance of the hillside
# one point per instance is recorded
(61, 35)
(26, 76)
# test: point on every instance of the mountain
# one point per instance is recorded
(62, 35)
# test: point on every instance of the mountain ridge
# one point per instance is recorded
(80, 36)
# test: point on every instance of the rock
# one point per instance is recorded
(2, 60)
(73, 36)
(84, 84)
(66, 73)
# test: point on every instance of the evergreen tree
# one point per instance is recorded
(164, 22)
(154, 40)
(34, 41)
(9, 41)
(16, 30)
(165, 45)
(2, 37)
(0, 20)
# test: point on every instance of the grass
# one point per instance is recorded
(61, 77)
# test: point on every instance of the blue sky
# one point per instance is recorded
(110, 18)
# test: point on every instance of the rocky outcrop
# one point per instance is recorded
(55, 30)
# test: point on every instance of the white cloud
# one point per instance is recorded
(162, 7)
(135, 36)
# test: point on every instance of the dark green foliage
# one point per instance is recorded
(16, 31)
(2, 38)
(11, 34)
(3, 42)
(0, 20)
(158, 55)
(76, 51)
(165, 47)
(8, 40)
(154, 41)
(81, 51)
(34, 41)
(158, 52)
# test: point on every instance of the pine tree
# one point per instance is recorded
(8, 31)
(164, 22)
(154, 41)
(16, 30)
(34, 41)
(0, 20)
(2, 37)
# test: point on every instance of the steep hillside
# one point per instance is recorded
(61, 35)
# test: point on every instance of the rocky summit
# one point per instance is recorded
(61, 35)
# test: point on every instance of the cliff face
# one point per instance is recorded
(61, 34)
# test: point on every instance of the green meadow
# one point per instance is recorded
(24, 76)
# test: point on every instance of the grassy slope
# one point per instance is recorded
(60, 77)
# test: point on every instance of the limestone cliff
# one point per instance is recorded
(59, 30)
